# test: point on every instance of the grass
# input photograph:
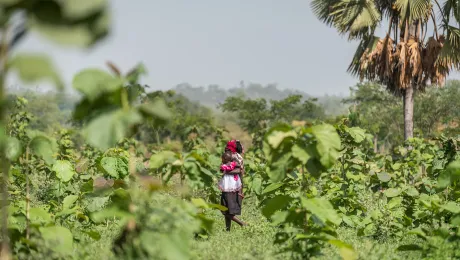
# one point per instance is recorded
(254, 241)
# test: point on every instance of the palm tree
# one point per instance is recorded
(404, 64)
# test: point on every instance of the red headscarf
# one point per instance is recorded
(231, 145)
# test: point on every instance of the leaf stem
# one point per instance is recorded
(5, 247)
(124, 99)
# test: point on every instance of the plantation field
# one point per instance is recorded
(120, 171)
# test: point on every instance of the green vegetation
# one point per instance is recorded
(123, 173)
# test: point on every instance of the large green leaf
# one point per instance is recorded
(35, 67)
(327, 143)
(43, 147)
(77, 9)
(300, 153)
(272, 187)
(322, 209)
(69, 201)
(95, 82)
(13, 149)
(64, 170)
(383, 176)
(392, 192)
(59, 239)
(277, 203)
(358, 134)
(108, 129)
(452, 207)
(277, 137)
(115, 167)
(65, 24)
(450, 174)
(156, 109)
(347, 252)
(159, 159)
(39, 216)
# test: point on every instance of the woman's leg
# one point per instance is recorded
(241, 223)
(228, 221)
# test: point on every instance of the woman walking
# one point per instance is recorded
(231, 183)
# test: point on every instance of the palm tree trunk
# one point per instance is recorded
(409, 112)
(412, 30)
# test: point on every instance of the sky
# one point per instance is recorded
(206, 42)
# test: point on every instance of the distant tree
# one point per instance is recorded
(405, 60)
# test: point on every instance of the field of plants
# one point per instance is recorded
(121, 172)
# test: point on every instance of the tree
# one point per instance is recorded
(374, 109)
(68, 22)
(404, 65)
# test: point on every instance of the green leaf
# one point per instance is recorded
(272, 187)
(412, 192)
(279, 217)
(159, 159)
(35, 67)
(13, 149)
(256, 185)
(69, 201)
(392, 192)
(43, 147)
(83, 33)
(277, 137)
(110, 128)
(357, 134)
(394, 202)
(347, 252)
(78, 9)
(95, 82)
(300, 154)
(59, 238)
(451, 207)
(383, 176)
(39, 215)
(450, 174)
(369, 229)
(64, 170)
(156, 109)
(200, 203)
(96, 203)
(419, 232)
(274, 204)
(93, 234)
(115, 167)
(322, 209)
(327, 143)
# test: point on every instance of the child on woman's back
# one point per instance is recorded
(233, 183)
(228, 163)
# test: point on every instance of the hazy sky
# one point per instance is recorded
(206, 42)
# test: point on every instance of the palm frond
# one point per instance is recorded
(323, 9)
(367, 45)
(451, 8)
(357, 18)
(412, 10)
(449, 55)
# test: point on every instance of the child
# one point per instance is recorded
(229, 164)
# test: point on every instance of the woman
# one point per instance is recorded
(231, 185)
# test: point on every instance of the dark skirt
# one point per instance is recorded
(232, 201)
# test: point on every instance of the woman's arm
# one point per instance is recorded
(234, 171)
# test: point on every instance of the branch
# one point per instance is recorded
(435, 26)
